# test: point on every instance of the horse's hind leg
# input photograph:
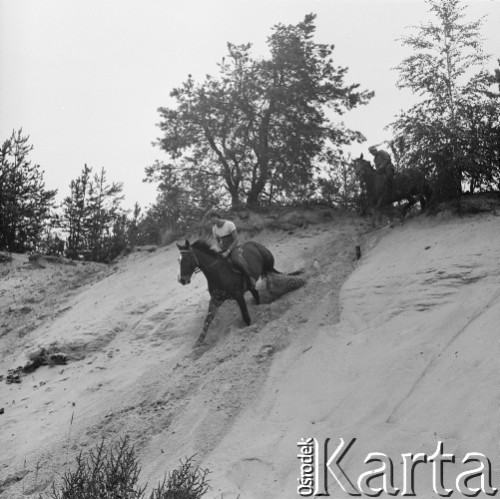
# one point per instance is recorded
(243, 307)
(255, 295)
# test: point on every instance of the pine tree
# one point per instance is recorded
(104, 211)
(75, 215)
(25, 203)
(90, 214)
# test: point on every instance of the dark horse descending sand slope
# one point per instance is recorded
(410, 185)
(224, 282)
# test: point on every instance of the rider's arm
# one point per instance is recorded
(385, 159)
(215, 236)
(233, 244)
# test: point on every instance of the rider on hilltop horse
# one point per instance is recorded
(384, 166)
(408, 184)
(226, 235)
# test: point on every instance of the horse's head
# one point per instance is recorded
(187, 263)
(362, 166)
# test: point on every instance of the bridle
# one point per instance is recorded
(197, 267)
(197, 262)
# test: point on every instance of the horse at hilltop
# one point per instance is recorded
(407, 185)
(224, 281)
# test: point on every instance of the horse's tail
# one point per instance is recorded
(268, 262)
(274, 271)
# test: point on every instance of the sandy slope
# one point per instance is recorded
(412, 361)
(403, 355)
(135, 327)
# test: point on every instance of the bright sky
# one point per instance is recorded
(84, 79)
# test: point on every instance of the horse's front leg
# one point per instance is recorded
(423, 202)
(411, 202)
(216, 300)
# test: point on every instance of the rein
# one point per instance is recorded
(198, 267)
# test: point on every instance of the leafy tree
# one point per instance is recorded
(479, 139)
(257, 127)
(497, 75)
(25, 203)
(184, 195)
(338, 184)
(446, 71)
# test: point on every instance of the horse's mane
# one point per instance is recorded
(205, 245)
(365, 162)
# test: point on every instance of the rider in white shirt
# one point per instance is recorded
(226, 235)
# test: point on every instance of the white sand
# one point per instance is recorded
(402, 356)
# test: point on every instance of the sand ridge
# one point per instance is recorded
(397, 349)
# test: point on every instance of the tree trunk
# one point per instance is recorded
(449, 180)
(253, 199)
(234, 193)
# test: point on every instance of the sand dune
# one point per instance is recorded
(397, 350)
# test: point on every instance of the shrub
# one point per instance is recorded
(113, 473)
(187, 482)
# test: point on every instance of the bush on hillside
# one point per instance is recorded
(113, 473)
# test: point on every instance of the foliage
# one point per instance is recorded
(183, 198)
(479, 139)
(256, 128)
(133, 225)
(497, 75)
(93, 219)
(25, 203)
(75, 214)
(113, 473)
(106, 219)
(338, 184)
(187, 482)
(109, 473)
(452, 133)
